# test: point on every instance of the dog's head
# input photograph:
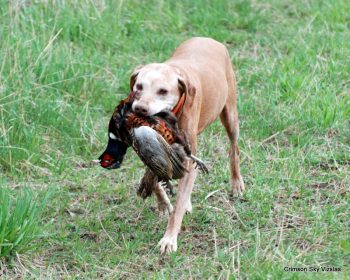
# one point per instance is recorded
(158, 87)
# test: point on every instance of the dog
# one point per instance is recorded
(198, 79)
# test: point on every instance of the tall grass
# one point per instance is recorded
(20, 219)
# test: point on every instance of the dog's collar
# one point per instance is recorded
(179, 104)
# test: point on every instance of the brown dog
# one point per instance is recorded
(200, 70)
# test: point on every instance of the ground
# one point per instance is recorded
(64, 65)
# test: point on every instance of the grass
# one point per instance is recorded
(19, 219)
(65, 64)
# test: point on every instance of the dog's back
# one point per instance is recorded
(201, 52)
(207, 65)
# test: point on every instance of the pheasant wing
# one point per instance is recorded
(157, 154)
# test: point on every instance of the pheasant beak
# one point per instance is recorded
(108, 162)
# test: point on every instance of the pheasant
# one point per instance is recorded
(118, 139)
(158, 141)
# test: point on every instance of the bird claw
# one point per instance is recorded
(200, 164)
(168, 187)
(202, 167)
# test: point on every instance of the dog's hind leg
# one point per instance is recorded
(229, 118)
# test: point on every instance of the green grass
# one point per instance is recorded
(65, 64)
(19, 221)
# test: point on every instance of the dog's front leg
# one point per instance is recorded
(168, 243)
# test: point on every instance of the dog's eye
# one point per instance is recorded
(139, 87)
(162, 91)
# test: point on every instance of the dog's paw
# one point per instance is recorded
(237, 186)
(168, 244)
(165, 209)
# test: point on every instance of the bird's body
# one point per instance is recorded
(158, 141)
(157, 154)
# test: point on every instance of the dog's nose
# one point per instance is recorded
(140, 109)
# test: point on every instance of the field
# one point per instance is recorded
(64, 65)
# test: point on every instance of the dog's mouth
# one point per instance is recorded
(108, 162)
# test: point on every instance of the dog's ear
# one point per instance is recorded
(182, 86)
(186, 87)
(134, 76)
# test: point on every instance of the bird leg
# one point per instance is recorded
(199, 164)
(168, 187)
